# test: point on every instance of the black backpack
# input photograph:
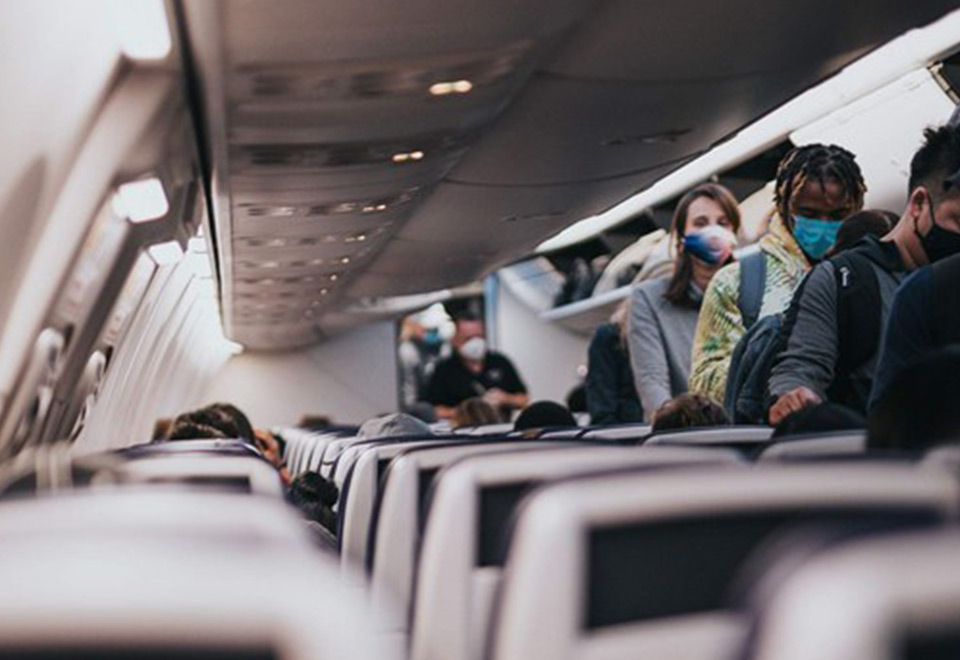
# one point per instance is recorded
(859, 323)
(746, 393)
(747, 398)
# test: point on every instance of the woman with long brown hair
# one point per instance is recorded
(663, 312)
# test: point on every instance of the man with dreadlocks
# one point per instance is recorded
(817, 186)
(833, 342)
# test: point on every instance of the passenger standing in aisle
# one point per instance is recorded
(611, 396)
(833, 332)
(817, 187)
(663, 312)
(925, 315)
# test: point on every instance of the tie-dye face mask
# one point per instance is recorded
(712, 245)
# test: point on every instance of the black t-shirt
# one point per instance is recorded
(453, 382)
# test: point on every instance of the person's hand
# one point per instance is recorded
(495, 396)
(793, 401)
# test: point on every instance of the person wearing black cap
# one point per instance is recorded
(833, 329)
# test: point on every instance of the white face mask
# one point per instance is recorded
(474, 349)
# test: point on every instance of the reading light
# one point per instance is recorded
(143, 29)
(406, 156)
(451, 87)
(141, 201)
(165, 254)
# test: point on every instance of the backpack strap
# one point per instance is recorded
(753, 279)
(859, 310)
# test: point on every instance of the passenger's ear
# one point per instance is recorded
(918, 199)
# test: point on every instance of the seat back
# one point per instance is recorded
(896, 598)
(642, 567)
(216, 576)
(826, 445)
(359, 497)
(238, 473)
(746, 439)
(397, 521)
(461, 563)
(235, 447)
(486, 429)
(625, 433)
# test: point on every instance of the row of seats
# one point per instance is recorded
(577, 544)
(182, 549)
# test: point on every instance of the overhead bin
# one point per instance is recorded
(463, 231)
(564, 131)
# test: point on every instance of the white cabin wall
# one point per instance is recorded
(350, 377)
(56, 54)
(546, 355)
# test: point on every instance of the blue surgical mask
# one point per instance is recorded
(815, 236)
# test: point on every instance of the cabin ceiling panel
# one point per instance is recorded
(347, 162)
(692, 40)
(564, 130)
(309, 31)
(509, 216)
(276, 335)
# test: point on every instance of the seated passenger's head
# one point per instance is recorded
(233, 415)
(315, 497)
(475, 412)
(314, 422)
(393, 425)
(822, 418)
(470, 338)
(934, 205)
(544, 414)
(704, 229)
(186, 429)
(688, 411)
(919, 409)
(868, 222)
(817, 187)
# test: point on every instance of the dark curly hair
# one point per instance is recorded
(820, 163)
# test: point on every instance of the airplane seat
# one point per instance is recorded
(399, 513)
(486, 429)
(820, 445)
(344, 451)
(361, 488)
(460, 565)
(167, 574)
(216, 447)
(645, 568)
(241, 474)
(945, 456)
(749, 440)
(895, 597)
(626, 434)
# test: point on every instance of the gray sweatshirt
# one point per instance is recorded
(812, 351)
(660, 339)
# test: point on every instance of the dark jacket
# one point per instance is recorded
(812, 350)
(611, 397)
